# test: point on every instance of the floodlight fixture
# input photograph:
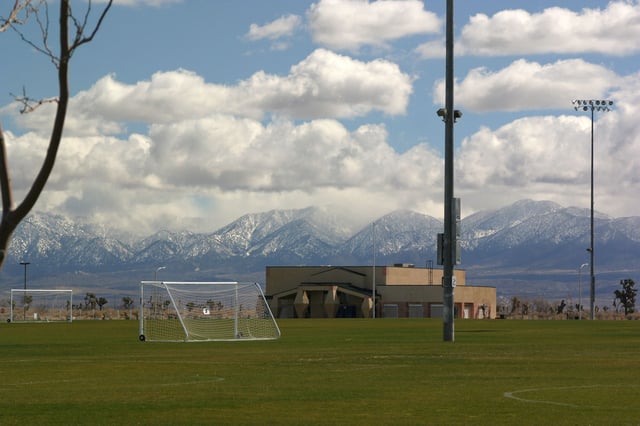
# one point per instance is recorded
(158, 269)
(442, 112)
(592, 104)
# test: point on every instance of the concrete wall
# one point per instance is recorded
(416, 276)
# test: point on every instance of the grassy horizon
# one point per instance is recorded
(323, 372)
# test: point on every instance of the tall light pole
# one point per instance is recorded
(373, 271)
(580, 290)
(592, 105)
(447, 241)
(155, 274)
(24, 296)
(25, 264)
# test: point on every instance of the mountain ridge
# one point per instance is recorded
(525, 236)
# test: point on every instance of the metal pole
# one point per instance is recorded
(24, 296)
(591, 255)
(579, 293)
(449, 248)
(592, 105)
(580, 290)
(25, 273)
(373, 272)
(235, 318)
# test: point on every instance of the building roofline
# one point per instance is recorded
(351, 267)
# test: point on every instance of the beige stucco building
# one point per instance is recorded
(347, 291)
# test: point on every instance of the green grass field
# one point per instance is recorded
(356, 371)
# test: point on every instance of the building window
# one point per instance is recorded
(390, 310)
(416, 310)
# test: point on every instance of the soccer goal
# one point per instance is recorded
(41, 305)
(204, 311)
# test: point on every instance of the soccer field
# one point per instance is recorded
(351, 371)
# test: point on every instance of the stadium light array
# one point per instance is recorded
(601, 105)
(591, 104)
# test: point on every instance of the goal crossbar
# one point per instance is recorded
(196, 311)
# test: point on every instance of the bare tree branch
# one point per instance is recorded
(18, 6)
(80, 38)
(5, 181)
(8, 223)
(30, 104)
(43, 25)
(12, 217)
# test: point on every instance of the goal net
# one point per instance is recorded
(41, 305)
(204, 311)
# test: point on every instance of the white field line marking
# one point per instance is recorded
(564, 404)
(535, 401)
(204, 380)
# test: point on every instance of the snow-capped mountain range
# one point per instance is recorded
(513, 247)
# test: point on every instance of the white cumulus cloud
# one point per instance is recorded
(613, 30)
(548, 158)
(282, 27)
(156, 152)
(525, 85)
(352, 24)
(323, 85)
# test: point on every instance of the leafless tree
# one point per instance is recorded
(75, 31)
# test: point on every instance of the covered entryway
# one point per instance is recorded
(323, 300)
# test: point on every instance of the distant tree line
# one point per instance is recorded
(624, 303)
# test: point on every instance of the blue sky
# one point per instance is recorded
(192, 113)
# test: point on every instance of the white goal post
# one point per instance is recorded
(204, 311)
(41, 305)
